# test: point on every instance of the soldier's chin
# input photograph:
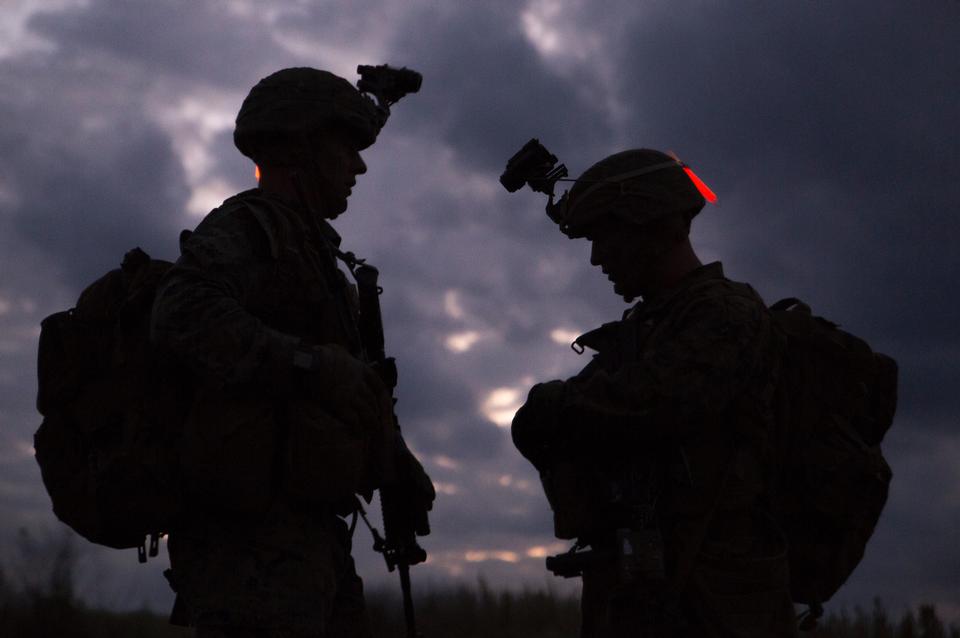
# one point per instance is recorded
(334, 207)
(627, 295)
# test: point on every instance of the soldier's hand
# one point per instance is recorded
(419, 483)
(534, 426)
(349, 389)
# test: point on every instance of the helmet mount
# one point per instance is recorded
(537, 167)
(293, 106)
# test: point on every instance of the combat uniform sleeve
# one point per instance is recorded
(717, 351)
(201, 309)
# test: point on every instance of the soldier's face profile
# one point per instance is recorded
(334, 170)
(611, 252)
(625, 253)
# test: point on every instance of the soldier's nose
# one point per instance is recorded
(595, 255)
(359, 166)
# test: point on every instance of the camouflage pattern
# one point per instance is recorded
(256, 280)
(680, 395)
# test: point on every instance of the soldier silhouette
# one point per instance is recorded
(289, 421)
(657, 455)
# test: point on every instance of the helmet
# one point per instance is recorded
(295, 105)
(639, 186)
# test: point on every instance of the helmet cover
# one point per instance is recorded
(638, 185)
(294, 106)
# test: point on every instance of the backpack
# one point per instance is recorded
(835, 401)
(112, 409)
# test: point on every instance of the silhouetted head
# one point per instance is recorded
(309, 125)
(635, 207)
(299, 106)
(637, 186)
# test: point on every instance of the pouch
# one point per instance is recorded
(229, 451)
(324, 459)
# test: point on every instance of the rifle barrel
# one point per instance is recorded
(408, 614)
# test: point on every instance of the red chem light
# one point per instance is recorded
(708, 194)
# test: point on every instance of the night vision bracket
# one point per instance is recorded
(537, 167)
(534, 165)
(387, 85)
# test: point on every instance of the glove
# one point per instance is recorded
(406, 501)
(534, 426)
(418, 482)
(346, 387)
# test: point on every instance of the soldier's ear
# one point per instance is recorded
(680, 227)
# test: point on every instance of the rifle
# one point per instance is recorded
(404, 501)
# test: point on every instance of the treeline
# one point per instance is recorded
(877, 623)
(479, 612)
(458, 613)
(38, 600)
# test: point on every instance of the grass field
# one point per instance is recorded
(454, 613)
(49, 608)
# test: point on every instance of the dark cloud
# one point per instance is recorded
(836, 133)
(91, 213)
(428, 392)
(89, 177)
(487, 91)
(201, 41)
(928, 386)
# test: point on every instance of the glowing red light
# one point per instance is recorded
(708, 194)
(256, 172)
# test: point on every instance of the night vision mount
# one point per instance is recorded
(534, 165)
(388, 85)
(537, 167)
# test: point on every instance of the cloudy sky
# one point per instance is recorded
(829, 130)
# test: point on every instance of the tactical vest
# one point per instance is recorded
(620, 343)
(678, 482)
(310, 296)
(243, 448)
(707, 490)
